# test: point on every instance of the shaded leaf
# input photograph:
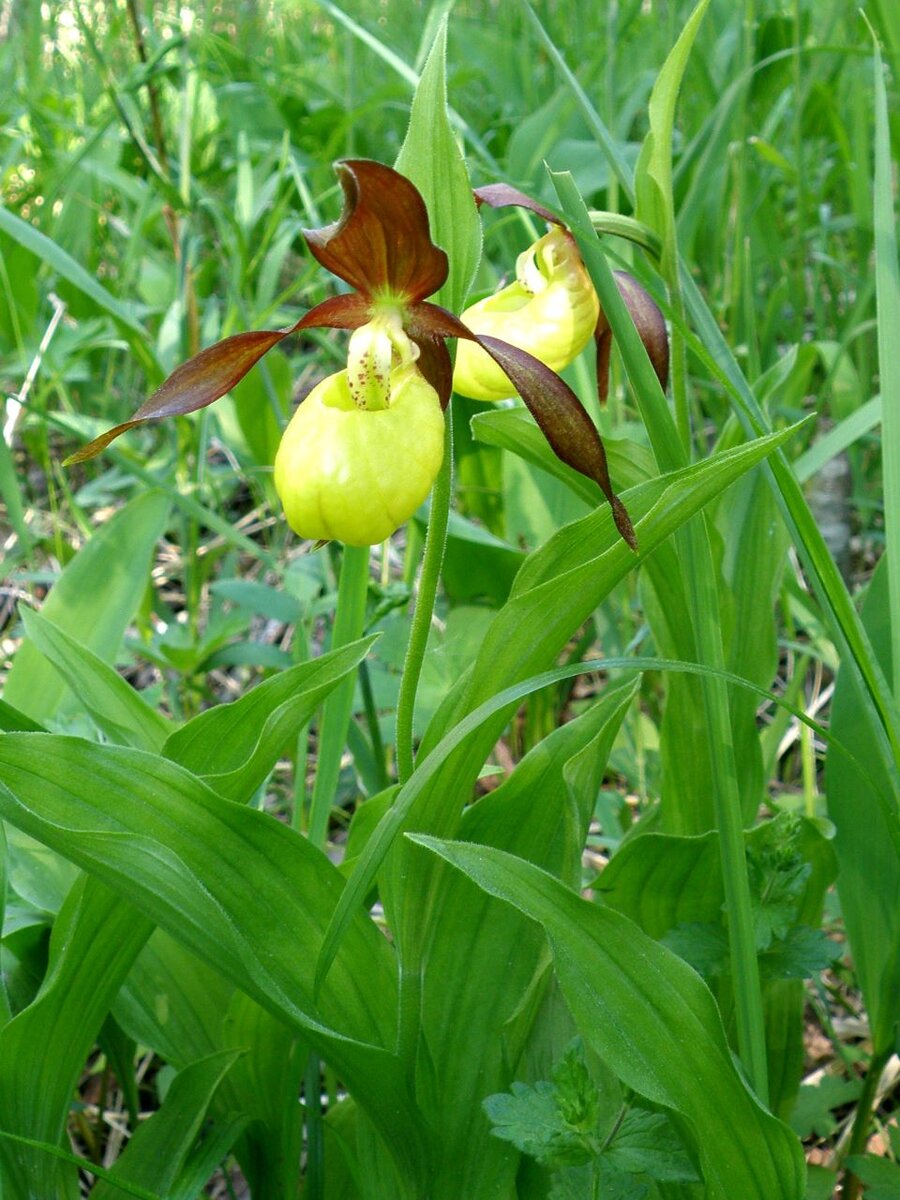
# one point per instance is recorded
(234, 746)
(159, 1151)
(647, 1144)
(42, 1050)
(632, 1001)
(191, 861)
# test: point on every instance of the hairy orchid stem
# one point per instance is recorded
(432, 561)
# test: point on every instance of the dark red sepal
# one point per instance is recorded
(572, 435)
(648, 321)
(501, 195)
(603, 340)
(382, 244)
(435, 364)
(195, 384)
(347, 311)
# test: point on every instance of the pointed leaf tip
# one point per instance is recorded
(381, 245)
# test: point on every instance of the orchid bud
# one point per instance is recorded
(355, 474)
(550, 311)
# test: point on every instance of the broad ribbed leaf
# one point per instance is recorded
(43, 1049)
(234, 746)
(475, 1035)
(555, 591)
(193, 862)
(265, 1084)
(633, 1001)
(515, 429)
(867, 833)
(158, 1154)
(655, 205)
(431, 157)
(173, 1003)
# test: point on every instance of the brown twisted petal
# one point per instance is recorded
(382, 243)
(572, 435)
(435, 364)
(649, 322)
(651, 327)
(501, 195)
(207, 376)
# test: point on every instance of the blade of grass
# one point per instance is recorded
(887, 292)
(349, 620)
(59, 261)
(605, 140)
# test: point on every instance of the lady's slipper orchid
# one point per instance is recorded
(363, 449)
(551, 310)
(353, 474)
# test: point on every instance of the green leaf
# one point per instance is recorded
(232, 747)
(653, 174)
(813, 1113)
(516, 430)
(887, 291)
(265, 1084)
(431, 158)
(799, 954)
(13, 721)
(173, 1003)
(158, 1152)
(556, 590)
(867, 834)
(632, 1001)
(42, 1050)
(64, 265)
(529, 1117)
(66, 1156)
(192, 863)
(880, 713)
(647, 1144)
(119, 554)
(116, 708)
(541, 812)
(576, 1093)
(880, 1176)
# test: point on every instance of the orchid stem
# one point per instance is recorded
(432, 561)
